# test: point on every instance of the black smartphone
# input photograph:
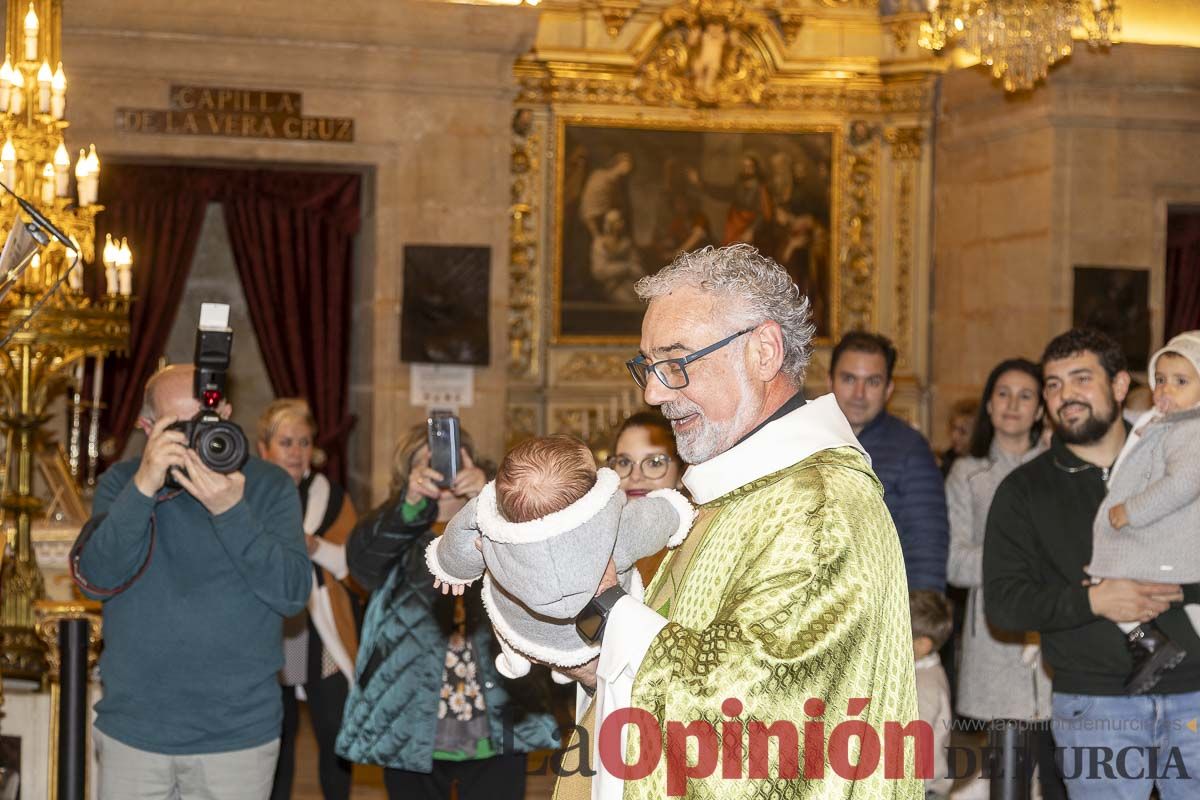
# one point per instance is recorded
(445, 439)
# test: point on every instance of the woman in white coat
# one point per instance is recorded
(1001, 677)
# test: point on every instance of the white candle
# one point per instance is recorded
(31, 34)
(75, 277)
(44, 78)
(110, 279)
(48, 184)
(93, 176)
(81, 175)
(125, 267)
(8, 159)
(6, 75)
(58, 93)
(16, 99)
(62, 171)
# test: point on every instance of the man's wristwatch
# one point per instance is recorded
(591, 621)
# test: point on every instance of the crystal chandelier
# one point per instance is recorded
(1019, 39)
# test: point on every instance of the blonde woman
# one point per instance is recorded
(319, 643)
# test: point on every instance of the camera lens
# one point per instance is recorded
(222, 446)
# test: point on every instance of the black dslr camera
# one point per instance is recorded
(221, 444)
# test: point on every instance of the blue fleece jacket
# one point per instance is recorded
(914, 493)
(192, 645)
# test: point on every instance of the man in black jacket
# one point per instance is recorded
(1038, 543)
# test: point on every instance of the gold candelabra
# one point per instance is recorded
(51, 325)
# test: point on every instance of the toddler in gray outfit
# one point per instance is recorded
(541, 535)
(1147, 526)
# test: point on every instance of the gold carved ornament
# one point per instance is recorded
(906, 152)
(856, 259)
(616, 13)
(709, 54)
(521, 423)
(49, 614)
(593, 367)
(524, 274)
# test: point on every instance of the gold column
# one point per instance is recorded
(48, 615)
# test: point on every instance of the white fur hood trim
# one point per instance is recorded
(498, 529)
(685, 510)
(815, 426)
(535, 652)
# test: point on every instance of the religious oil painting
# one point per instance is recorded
(631, 199)
(1116, 300)
(444, 316)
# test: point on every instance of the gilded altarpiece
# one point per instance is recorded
(834, 75)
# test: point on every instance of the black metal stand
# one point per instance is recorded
(1008, 744)
(72, 709)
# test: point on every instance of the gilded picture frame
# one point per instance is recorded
(630, 194)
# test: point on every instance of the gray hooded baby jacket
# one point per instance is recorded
(538, 575)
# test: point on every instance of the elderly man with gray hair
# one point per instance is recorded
(786, 603)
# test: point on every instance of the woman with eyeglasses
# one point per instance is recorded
(644, 458)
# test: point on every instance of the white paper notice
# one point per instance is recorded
(441, 386)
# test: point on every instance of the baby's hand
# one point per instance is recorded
(1117, 516)
(450, 588)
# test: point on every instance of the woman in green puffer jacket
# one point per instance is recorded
(428, 704)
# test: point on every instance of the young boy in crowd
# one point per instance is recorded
(932, 623)
(1147, 527)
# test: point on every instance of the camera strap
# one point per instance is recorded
(86, 534)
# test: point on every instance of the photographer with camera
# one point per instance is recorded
(198, 553)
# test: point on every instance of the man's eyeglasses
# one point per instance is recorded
(672, 371)
(652, 467)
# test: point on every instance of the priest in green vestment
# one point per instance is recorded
(773, 648)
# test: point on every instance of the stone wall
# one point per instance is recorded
(1079, 172)
(430, 89)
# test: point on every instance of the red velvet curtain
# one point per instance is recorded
(1183, 274)
(293, 241)
(292, 235)
(162, 217)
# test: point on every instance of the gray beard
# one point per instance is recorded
(708, 439)
(696, 447)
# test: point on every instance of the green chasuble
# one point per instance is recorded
(793, 587)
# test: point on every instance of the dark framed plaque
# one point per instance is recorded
(1116, 300)
(444, 316)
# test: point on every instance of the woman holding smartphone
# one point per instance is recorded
(427, 703)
